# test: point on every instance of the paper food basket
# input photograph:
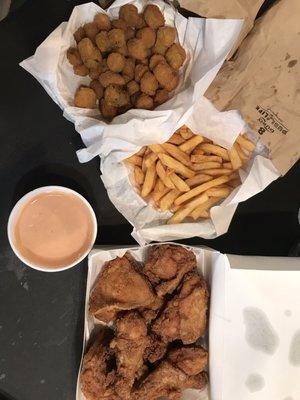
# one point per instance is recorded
(254, 323)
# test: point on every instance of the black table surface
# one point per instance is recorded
(41, 315)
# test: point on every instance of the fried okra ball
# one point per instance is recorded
(116, 38)
(108, 112)
(79, 34)
(111, 78)
(153, 16)
(85, 97)
(167, 77)
(129, 13)
(102, 21)
(140, 70)
(116, 62)
(156, 59)
(147, 35)
(137, 49)
(88, 51)
(119, 24)
(103, 42)
(144, 101)
(116, 96)
(91, 29)
(73, 56)
(149, 84)
(81, 70)
(176, 56)
(129, 67)
(132, 87)
(97, 88)
(166, 35)
(161, 96)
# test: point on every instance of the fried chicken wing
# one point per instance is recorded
(155, 350)
(169, 378)
(185, 315)
(129, 344)
(166, 265)
(119, 287)
(96, 377)
(191, 360)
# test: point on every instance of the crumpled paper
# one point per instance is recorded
(97, 259)
(207, 42)
(150, 224)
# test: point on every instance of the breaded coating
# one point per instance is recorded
(73, 56)
(116, 38)
(149, 84)
(159, 48)
(147, 35)
(132, 87)
(167, 77)
(153, 16)
(144, 101)
(129, 33)
(88, 51)
(111, 78)
(129, 13)
(91, 29)
(107, 112)
(176, 56)
(80, 70)
(115, 62)
(103, 22)
(79, 34)
(140, 70)
(156, 59)
(161, 96)
(191, 360)
(137, 49)
(97, 88)
(119, 24)
(103, 42)
(166, 35)
(129, 67)
(115, 96)
(85, 97)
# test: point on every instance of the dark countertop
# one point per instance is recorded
(41, 314)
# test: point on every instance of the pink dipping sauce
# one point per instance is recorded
(53, 229)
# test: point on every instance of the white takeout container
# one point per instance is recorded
(16, 212)
(239, 367)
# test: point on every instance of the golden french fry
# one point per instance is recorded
(164, 176)
(141, 152)
(149, 181)
(217, 171)
(215, 149)
(159, 185)
(179, 183)
(183, 212)
(234, 158)
(144, 168)
(227, 165)
(245, 143)
(219, 191)
(178, 154)
(232, 176)
(176, 139)
(139, 175)
(185, 132)
(156, 196)
(168, 199)
(135, 160)
(150, 159)
(197, 151)
(197, 179)
(205, 165)
(195, 214)
(241, 152)
(203, 214)
(201, 188)
(176, 165)
(196, 158)
(190, 144)
(156, 148)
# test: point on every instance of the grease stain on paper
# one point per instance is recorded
(260, 334)
(255, 383)
(292, 63)
(288, 313)
(294, 353)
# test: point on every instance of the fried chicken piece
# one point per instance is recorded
(151, 311)
(191, 360)
(96, 376)
(168, 381)
(185, 316)
(153, 16)
(155, 350)
(166, 265)
(119, 287)
(129, 345)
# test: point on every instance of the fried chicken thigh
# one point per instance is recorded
(96, 379)
(129, 345)
(185, 315)
(166, 266)
(171, 376)
(120, 286)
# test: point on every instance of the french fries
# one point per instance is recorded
(189, 174)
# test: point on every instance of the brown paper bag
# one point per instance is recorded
(263, 82)
(234, 9)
